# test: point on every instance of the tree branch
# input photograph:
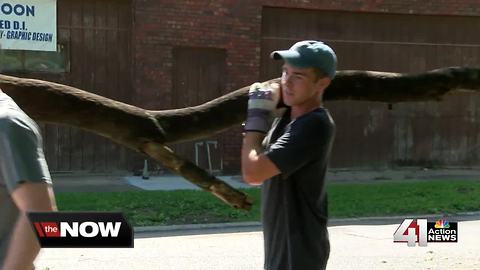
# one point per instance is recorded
(148, 131)
(396, 87)
(197, 176)
(127, 125)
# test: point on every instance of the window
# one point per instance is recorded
(14, 61)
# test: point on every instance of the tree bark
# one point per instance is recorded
(127, 125)
(229, 110)
(148, 131)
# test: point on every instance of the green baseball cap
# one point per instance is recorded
(310, 53)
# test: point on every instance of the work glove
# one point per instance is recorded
(262, 105)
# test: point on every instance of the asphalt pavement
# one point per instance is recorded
(356, 247)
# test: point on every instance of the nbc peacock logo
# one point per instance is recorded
(442, 224)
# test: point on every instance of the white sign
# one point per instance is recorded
(28, 25)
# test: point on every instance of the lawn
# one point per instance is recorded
(145, 208)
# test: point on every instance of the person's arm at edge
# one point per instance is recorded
(256, 167)
(24, 247)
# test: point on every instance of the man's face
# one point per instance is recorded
(300, 85)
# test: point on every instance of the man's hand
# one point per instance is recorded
(263, 100)
(262, 105)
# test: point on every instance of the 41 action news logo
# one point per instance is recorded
(420, 231)
(81, 229)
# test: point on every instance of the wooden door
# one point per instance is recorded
(199, 76)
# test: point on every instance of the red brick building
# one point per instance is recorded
(171, 54)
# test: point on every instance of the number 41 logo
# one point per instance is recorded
(412, 231)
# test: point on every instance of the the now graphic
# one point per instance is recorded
(81, 229)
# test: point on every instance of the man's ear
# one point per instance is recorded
(323, 83)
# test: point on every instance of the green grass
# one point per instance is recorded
(144, 208)
(397, 198)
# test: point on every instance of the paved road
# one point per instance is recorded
(356, 247)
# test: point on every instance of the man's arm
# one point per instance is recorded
(256, 167)
(262, 102)
(24, 247)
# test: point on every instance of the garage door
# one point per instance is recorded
(373, 134)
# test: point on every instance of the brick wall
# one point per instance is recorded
(236, 27)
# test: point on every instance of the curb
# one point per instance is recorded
(463, 216)
(192, 227)
(257, 226)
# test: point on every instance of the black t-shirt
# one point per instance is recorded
(294, 203)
